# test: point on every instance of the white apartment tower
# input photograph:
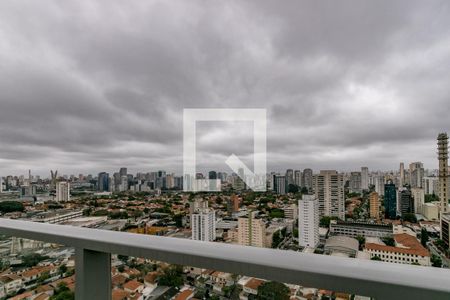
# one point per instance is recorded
(365, 178)
(308, 221)
(62, 191)
(402, 175)
(203, 224)
(416, 174)
(329, 190)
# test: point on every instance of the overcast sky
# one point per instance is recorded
(87, 86)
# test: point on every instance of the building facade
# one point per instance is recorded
(308, 221)
(329, 190)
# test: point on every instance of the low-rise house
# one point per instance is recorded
(250, 288)
(185, 295)
(133, 286)
(118, 280)
(10, 284)
(150, 280)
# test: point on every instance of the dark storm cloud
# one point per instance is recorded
(93, 85)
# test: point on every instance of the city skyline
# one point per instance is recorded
(342, 89)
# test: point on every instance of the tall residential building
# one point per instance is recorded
(402, 175)
(443, 187)
(390, 201)
(289, 177)
(378, 181)
(279, 184)
(365, 178)
(251, 231)
(308, 221)
(103, 182)
(197, 204)
(418, 195)
(416, 174)
(291, 212)
(355, 182)
(406, 204)
(298, 178)
(238, 182)
(308, 179)
(123, 172)
(431, 185)
(62, 191)
(445, 229)
(374, 204)
(329, 189)
(443, 171)
(203, 224)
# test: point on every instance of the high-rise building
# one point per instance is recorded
(390, 200)
(445, 228)
(443, 171)
(62, 191)
(197, 204)
(308, 221)
(289, 177)
(355, 182)
(279, 184)
(431, 185)
(291, 212)
(365, 178)
(308, 179)
(103, 182)
(238, 180)
(418, 195)
(416, 174)
(251, 231)
(443, 187)
(406, 204)
(329, 189)
(123, 172)
(233, 204)
(298, 178)
(402, 175)
(378, 181)
(203, 224)
(374, 204)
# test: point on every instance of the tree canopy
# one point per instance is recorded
(273, 291)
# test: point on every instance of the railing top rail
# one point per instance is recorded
(364, 277)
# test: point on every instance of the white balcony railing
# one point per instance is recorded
(369, 278)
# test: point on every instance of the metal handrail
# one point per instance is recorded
(363, 277)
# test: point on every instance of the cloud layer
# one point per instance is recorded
(87, 86)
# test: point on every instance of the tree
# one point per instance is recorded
(376, 257)
(30, 260)
(276, 239)
(11, 206)
(325, 221)
(277, 213)
(43, 277)
(361, 241)
(431, 198)
(273, 291)
(424, 237)
(172, 276)
(436, 261)
(62, 292)
(62, 269)
(389, 241)
(409, 217)
(292, 188)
